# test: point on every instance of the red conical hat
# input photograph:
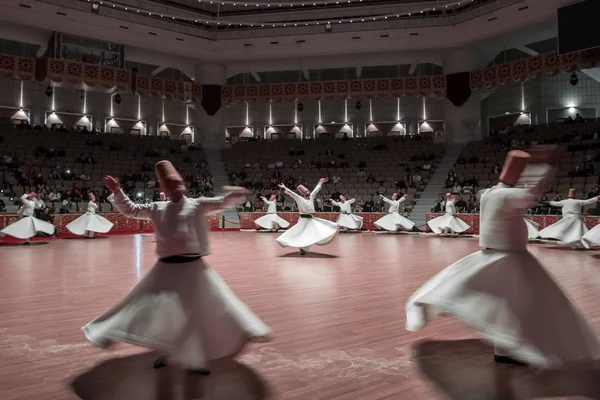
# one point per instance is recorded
(514, 165)
(272, 197)
(572, 193)
(162, 196)
(303, 190)
(165, 171)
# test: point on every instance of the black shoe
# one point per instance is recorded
(302, 252)
(161, 362)
(27, 243)
(509, 360)
(200, 371)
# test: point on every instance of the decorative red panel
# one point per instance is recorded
(476, 79)
(518, 70)
(439, 83)
(302, 89)
(342, 88)
(355, 87)
(91, 74)
(264, 91)
(289, 90)
(535, 66)
(316, 89)
(569, 62)
(157, 86)
(25, 68)
(239, 92)
(383, 86)
(425, 85)
(227, 94)
(196, 92)
(74, 72)
(411, 84)
(397, 85)
(551, 63)
(123, 78)
(369, 86)
(276, 90)
(170, 88)
(503, 74)
(251, 91)
(489, 77)
(108, 76)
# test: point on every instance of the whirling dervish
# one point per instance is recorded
(532, 227)
(592, 238)
(309, 230)
(570, 229)
(271, 221)
(347, 220)
(502, 291)
(90, 223)
(393, 221)
(448, 223)
(181, 308)
(27, 226)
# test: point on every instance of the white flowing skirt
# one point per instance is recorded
(350, 221)
(28, 227)
(271, 221)
(394, 221)
(592, 238)
(448, 221)
(532, 229)
(567, 231)
(184, 311)
(89, 223)
(510, 299)
(309, 231)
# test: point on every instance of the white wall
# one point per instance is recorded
(384, 109)
(69, 99)
(543, 94)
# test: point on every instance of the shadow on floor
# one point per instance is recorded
(310, 254)
(133, 378)
(465, 370)
(22, 244)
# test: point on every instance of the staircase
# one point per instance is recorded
(435, 186)
(220, 179)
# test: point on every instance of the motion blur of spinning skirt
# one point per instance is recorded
(182, 308)
(503, 292)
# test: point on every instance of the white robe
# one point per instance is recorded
(271, 220)
(347, 219)
(90, 222)
(393, 220)
(448, 221)
(27, 226)
(592, 238)
(308, 231)
(185, 311)
(505, 294)
(570, 229)
(532, 229)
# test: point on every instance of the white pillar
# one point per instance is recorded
(463, 124)
(210, 129)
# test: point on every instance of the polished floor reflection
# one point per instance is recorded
(337, 315)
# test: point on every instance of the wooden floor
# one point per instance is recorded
(337, 315)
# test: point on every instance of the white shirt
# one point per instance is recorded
(271, 206)
(91, 208)
(345, 206)
(394, 204)
(571, 208)
(450, 207)
(305, 206)
(28, 206)
(180, 228)
(501, 225)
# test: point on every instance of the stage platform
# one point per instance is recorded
(337, 315)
